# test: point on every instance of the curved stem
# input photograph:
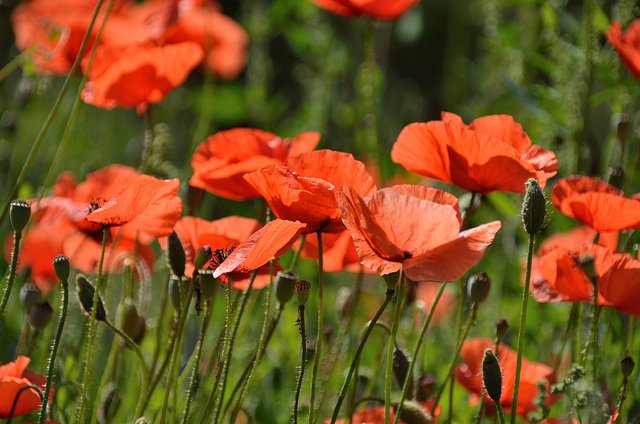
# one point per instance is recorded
(392, 341)
(54, 349)
(416, 349)
(370, 326)
(303, 345)
(15, 401)
(17, 235)
(319, 337)
(523, 319)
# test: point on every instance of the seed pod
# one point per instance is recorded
(534, 207)
(479, 286)
(61, 267)
(175, 255)
(412, 413)
(285, 286)
(19, 214)
(303, 289)
(491, 375)
(86, 292)
(40, 315)
(30, 294)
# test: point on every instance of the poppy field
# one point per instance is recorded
(319, 211)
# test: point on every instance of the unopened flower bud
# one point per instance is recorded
(501, 328)
(130, 318)
(175, 255)
(40, 315)
(426, 388)
(30, 294)
(616, 176)
(61, 267)
(400, 367)
(479, 285)
(86, 291)
(303, 289)
(491, 375)
(413, 413)
(285, 286)
(208, 284)
(203, 255)
(534, 207)
(626, 366)
(19, 214)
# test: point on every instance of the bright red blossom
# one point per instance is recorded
(375, 415)
(387, 10)
(13, 377)
(415, 228)
(492, 153)
(627, 44)
(221, 161)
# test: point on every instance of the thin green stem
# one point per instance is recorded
(631, 332)
(17, 235)
(523, 320)
(500, 413)
(296, 255)
(194, 374)
(370, 326)
(319, 338)
(13, 64)
(391, 346)
(303, 345)
(54, 349)
(416, 349)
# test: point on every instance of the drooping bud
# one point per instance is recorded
(61, 267)
(175, 255)
(501, 328)
(285, 286)
(426, 388)
(400, 367)
(86, 291)
(479, 285)
(208, 284)
(616, 176)
(19, 214)
(40, 315)
(534, 207)
(491, 375)
(412, 413)
(303, 289)
(626, 366)
(203, 255)
(30, 294)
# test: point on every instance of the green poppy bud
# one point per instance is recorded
(175, 255)
(501, 328)
(479, 285)
(412, 413)
(203, 255)
(130, 318)
(534, 207)
(30, 294)
(40, 315)
(626, 366)
(19, 214)
(61, 267)
(285, 286)
(491, 375)
(303, 289)
(86, 292)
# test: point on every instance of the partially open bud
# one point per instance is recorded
(479, 285)
(19, 214)
(208, 284)
(303, 289)
(626, 366)
(426, 388)
(534, 207)
(412, 413)
(86, 292)
(285, 286)
(61, 267)
(30, 294)
(203, 255)
(501, 328)
(491, 375)
(41, 315)
(175, 255)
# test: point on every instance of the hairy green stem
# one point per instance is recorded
(319, 337)
(303, 345)
(392, 341)
(17, 235)
(194, 374)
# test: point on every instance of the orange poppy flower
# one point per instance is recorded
(492, 153)
(303, 189)
(627, 45)
(266, 244)
(375, 415)
(138, 75)
(469, 375)
(13, 377)
(596, 203)
(413, 227)
(221, 161)
(387, 10)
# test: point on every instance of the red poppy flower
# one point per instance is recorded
(596, 203)
(303, 189)
(387, 10)
(13, 377)
(266, 244)
(469, 375)
(137, 75)
(221, 161)
(492, 153)
(375, 415)
(413, 227)
(338, 252)
(627, 45)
